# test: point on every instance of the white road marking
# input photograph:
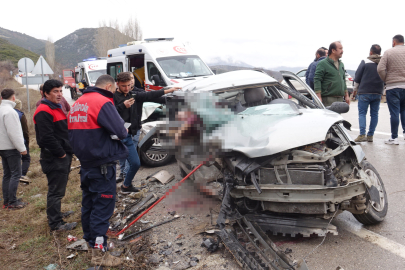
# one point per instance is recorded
(383, 242)
(378, 132)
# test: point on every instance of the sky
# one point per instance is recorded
(260, 33)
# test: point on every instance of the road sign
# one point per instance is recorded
(42, 67)
(26, 65)
(33, 80)
(23, 66)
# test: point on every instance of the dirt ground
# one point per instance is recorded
(178, 244)
(26, 242)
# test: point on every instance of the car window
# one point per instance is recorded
(113, 69)
(301, 73)
(152, 70)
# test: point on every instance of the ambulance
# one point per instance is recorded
(84, 74)
(157, 63)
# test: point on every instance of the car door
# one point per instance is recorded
(290, 77)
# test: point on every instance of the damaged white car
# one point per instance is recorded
(287, 165)
(288, 156)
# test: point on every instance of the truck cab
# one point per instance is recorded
(85, 74)
(157, 63)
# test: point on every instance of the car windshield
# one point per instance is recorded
(184, 66)
(93, 75)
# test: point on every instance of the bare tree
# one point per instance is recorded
(111, 34)
(133, 29)
(50, 53)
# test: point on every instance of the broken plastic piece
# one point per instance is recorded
(71, 256)
(136, 239)
(162, 176)
(71, 238)
(78, 245)
(52, 266)
(211, 244)
(144, 221)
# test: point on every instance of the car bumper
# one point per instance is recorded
(300, 193)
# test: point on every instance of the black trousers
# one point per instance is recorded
(26, 160)
(57, 172)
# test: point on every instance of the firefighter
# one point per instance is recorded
(95, 131)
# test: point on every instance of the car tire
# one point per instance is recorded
(153, 160)
(72, 95)
(374, 212)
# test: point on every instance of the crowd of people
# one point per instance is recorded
(376, 74)
(102, 129)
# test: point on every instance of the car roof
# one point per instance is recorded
(233, 80)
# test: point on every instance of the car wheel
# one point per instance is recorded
(153, 159)
(375, 210)
(72, 95)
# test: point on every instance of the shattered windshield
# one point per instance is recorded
(93, 75)
(185, 66)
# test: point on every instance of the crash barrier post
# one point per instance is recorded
(164, 196)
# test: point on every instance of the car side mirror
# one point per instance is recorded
(339, 107)
(156, 80)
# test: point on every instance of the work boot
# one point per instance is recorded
(370, 138)
(361, 138)
(100, 258)
(120, 178)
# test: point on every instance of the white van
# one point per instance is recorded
(84, 74)
(89, 70)
(157, 62)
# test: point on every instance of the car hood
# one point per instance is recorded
(269, 129)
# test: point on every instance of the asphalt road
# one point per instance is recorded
(356, 247)
(365, 247)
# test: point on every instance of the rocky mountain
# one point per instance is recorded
(75, 47)
(292, 69)
(218, 69)
(69, 50)
(22, 40)
(81, 44)
(14, 53)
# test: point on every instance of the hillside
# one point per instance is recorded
(14, 53)
(79, 45)
(22, 40)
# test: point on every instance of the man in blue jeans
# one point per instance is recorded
(392, 71)
(369, 86)
(11, 148)
(127, 102)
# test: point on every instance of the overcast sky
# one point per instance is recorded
(260, 33)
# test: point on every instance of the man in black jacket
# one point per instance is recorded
(129, 106)
(370, 87)
(56, 153)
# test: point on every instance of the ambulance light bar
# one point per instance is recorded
(158, 39)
